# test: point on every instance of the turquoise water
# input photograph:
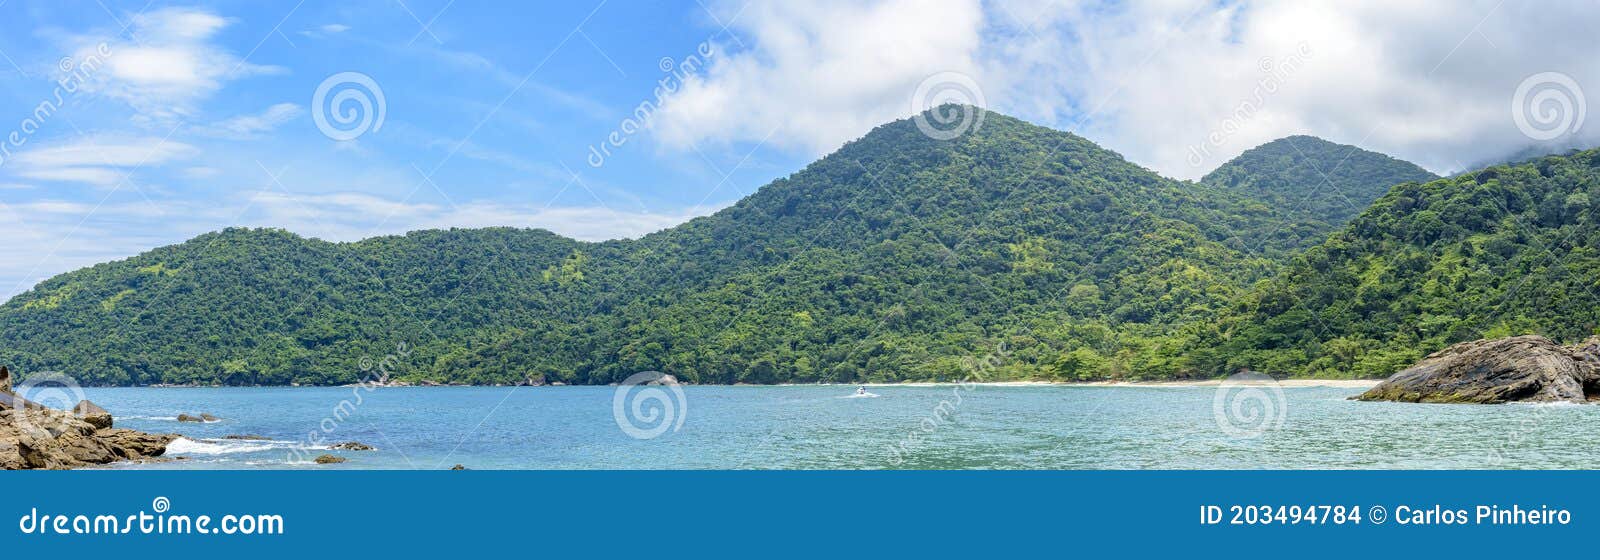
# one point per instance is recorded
(822, 427)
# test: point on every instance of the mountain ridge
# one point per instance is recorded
(898, 256)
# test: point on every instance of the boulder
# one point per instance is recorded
(36, 437)
(328, 459)
(93, 414)
(352, 446)
(188, 418)
(459, 467)
(5, 380)
(1516, 369)
(206, 416)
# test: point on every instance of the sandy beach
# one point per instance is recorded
(1287, 383)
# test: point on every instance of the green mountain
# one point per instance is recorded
(1502, 251)
(1315, 185)
(898, 257)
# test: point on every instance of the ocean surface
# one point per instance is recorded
(828, 427)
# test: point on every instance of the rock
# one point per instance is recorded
(5, 380)
(35, 437)
(206, 416)
(93, 414)
(1516, 369)
(459, 467)
(352, 446)
(665, 379)
(328, 459)
(247, 437)
(188, 418)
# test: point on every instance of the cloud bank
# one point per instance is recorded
(1429, 81)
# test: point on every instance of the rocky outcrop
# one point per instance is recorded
(188, 418)
(1517, 369)
(352, 446)
(93, 414)
(328, 459)
(36, 437)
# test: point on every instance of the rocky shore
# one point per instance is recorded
(33, 436)
(1516, 369)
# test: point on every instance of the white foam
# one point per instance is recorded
(186, 446)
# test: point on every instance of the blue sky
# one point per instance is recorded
(489, 111)
(187, 117)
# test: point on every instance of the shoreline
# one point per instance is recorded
(1193, 383)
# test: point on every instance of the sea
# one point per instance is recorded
(954, 426)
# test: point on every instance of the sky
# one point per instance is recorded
(126, 126)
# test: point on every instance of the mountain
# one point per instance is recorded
(1507, 250)
(898, 257)
(1315, 185)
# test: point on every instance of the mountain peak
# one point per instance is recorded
(1306, 173)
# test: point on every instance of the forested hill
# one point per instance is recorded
(1503, 251)
(897, 257)
(1315, 184)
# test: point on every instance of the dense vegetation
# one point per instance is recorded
(1503, 251)
(897, 257)
(1314, 184)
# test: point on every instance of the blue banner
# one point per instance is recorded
(650, 514)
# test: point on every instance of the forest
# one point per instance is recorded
(897, 258)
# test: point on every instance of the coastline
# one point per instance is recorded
(1190, 383)
(1200, 383)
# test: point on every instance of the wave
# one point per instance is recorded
(186, 446)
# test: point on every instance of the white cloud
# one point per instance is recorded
(246, 127)
(821, 73)
(1430, 81)
(335, 28)
(168, 65)
(101, 161)
(353, 216)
